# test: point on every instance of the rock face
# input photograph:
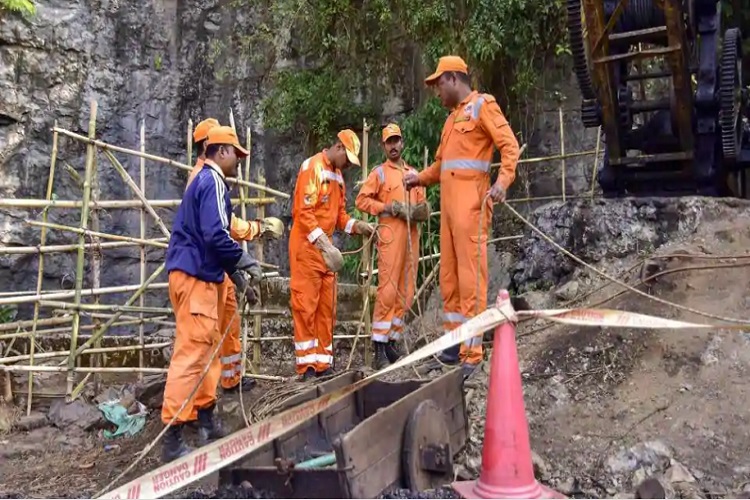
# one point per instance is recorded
(606, 231)
(154, 61)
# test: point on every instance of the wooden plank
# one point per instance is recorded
(343, 415)
(316, 483)
(371, 452)
(380, 394)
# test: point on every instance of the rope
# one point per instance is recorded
(150, 446)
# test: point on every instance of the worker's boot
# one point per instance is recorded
(325, 373)
(468, 369)
(449, 356)
(308, 375)
(393, 351)
(245, 385)
(381, 357)
(174, 446)
(209, 426)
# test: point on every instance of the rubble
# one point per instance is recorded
(78, 413)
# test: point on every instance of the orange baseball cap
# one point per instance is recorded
(201, 130)
(445, 64)
(391, 130)
(351, 143)
(226, 135)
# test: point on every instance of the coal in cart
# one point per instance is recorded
(385, 436)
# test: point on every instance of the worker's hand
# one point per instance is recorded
(420, 212)
(411, 180)
(250, 266)
(363, 228)
(497, 193)
(271, 227)
(397, 209)
(331, 256)
(251, 296)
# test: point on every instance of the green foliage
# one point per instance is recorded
(25, 7)
(7, 314)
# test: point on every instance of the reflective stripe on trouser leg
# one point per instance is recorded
(397, 329)
(305, 284)
(230, 322)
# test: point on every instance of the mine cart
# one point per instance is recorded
(386, 435)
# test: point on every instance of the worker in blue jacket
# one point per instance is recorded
(200, 252)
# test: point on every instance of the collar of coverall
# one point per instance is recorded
(466, 100)
(401, 165)
(327, 162)
(214, 166)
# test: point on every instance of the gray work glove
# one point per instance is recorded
(420, 212)
(239, 278)
(331, 255)
(251, 267)
(397, 209)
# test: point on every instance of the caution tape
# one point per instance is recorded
(217, 455)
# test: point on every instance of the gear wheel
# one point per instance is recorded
(577, 47)
(730, 78)
(590, 113)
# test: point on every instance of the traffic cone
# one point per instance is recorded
(507, 470)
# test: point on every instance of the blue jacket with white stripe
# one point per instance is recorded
(200, 244)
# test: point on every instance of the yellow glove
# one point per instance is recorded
(271, 227)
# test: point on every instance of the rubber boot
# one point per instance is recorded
(209, 426)
(174, 446)
(381, 357)
(392, 351)
(449, 356)
(308, 375)
(325, 373)
(244, 385)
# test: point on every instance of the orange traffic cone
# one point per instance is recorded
(507, 470)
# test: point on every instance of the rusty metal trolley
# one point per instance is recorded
(386, 435)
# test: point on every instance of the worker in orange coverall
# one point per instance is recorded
(383, 195)
(199, 257)
(319, 207)
(462, 166)
(239, 230)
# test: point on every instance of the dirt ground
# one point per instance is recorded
(606, 407)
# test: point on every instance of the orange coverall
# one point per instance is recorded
(231, 350)
(462, 166)
(318, 207)
(384, 185)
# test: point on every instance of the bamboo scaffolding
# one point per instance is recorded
(562, 152)
(596, 160)
(260, 214)
(66, 330)
(96, 260)
(40, 273)
(366, 253)
(27, 299)
(90, 154)
(142, 226)
(104, 307)
(108, 204)
(74, 370)
(167, 161)
(16, 325)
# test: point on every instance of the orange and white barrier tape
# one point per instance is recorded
(214, 456)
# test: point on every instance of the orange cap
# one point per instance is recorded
(201, 130)
(445, 64)
(391, 130)
(226, 135)
(351, 143)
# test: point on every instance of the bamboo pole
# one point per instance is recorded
(596, 160)
(27, 299)
(562, 151)
(96, 260)
(158, 320)
(138, 193)
(189, 142)
(87, 232)
(97, 350)
(366, 252)
(166, 161)
(90, 154)
(16, 325)
(103, 307)
(108, 204)
(74, 370)
(40, 272)
(142, 220)
(260, 214)
(67, 248)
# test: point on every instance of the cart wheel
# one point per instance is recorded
(426, 454)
